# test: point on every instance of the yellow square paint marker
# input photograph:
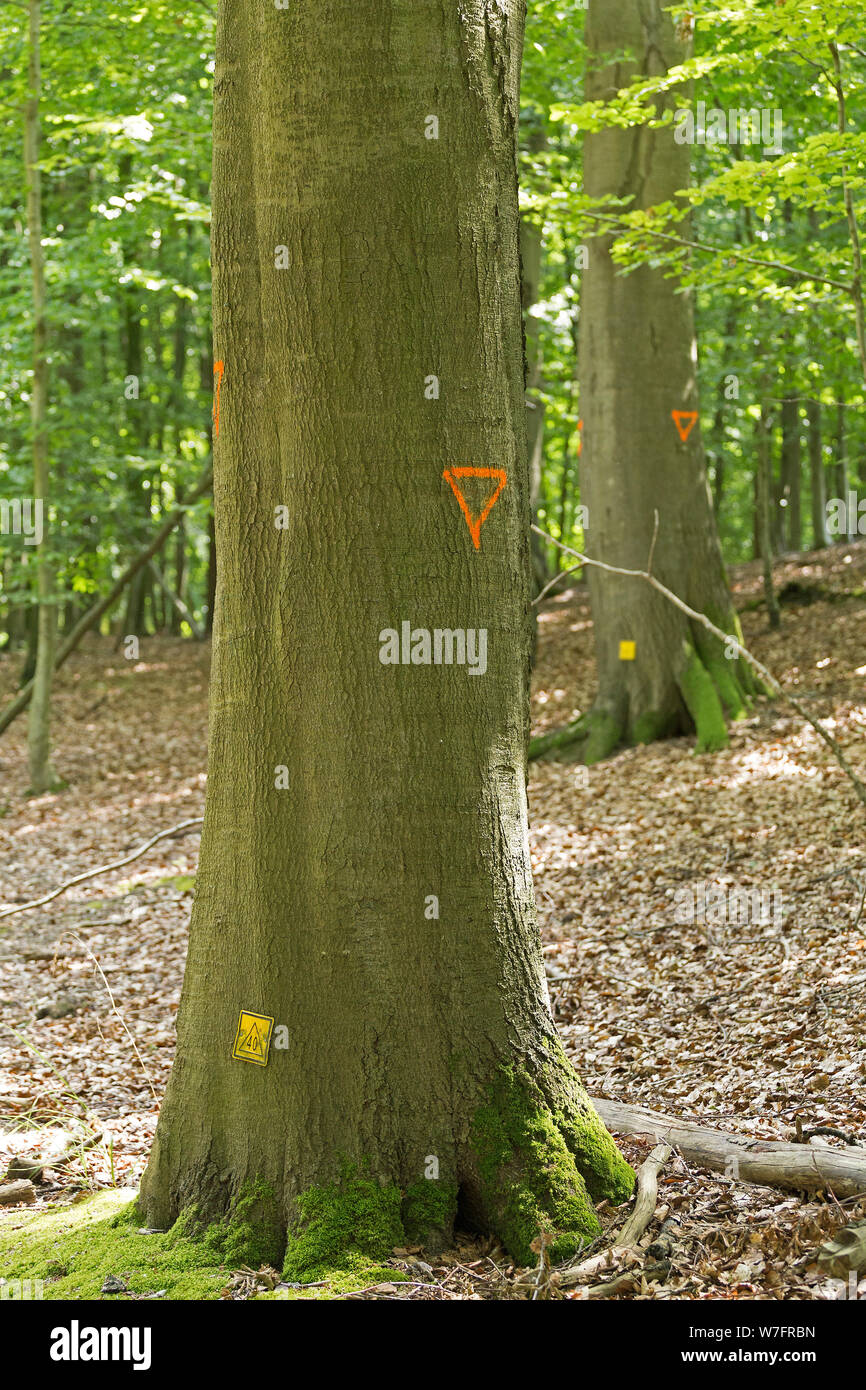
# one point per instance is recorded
(627, 651)
(253, 1039)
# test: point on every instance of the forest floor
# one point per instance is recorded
(749, 1028)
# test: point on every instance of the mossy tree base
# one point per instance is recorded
(543, 1158)
(536, 1160)
(531, 1160)
(703, 691)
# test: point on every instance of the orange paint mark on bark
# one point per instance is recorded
(475, 523)
(684, 421)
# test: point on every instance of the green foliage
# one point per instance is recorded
(125, 161)
(762, 239)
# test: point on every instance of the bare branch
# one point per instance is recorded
(105, 869)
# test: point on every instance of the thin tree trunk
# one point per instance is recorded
(718, 435)
(207, 383)
(818, 485)
(791, 472)
(762, 433)
(372, 810)
(211, 575)
(42, 775)
(531, 256)
(839, 468)
(175, 600)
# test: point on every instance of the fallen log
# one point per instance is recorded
(770, 1163)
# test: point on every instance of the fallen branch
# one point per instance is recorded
(770, 1163)
(176, 601)
(634, 1227)
(105, 869)
(730, 642)
(626, 1282)
(93, 615)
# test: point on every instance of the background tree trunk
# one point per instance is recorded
(42, 775)
(818, 482)
(638, 361)
(763, 429)
(418, 1044)
(791, 467)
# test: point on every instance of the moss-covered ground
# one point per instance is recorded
(72, 1249)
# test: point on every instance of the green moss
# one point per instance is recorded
(182, 883)
(650, 726)
(529, 1180)
(73, 1249)
(549, 744)
(726, 675)
(703, 704)
(603, 735)
(429, 1208)
(251, 1233)
(359, 1273)
(354, 1219)
(602, 1166)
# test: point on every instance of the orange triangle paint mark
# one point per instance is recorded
(219, 368)
(475, 523)
(684, 421)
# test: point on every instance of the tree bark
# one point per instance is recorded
(531, 259)
(638, 360)
(422, 1065)
(206, 383)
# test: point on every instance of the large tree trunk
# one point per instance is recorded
(638, 362)
(380, 906)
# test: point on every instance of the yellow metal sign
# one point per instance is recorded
(253, 1039)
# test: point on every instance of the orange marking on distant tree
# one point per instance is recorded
(684, 421)
(475, 523)
(579, 439)
(219, 368)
